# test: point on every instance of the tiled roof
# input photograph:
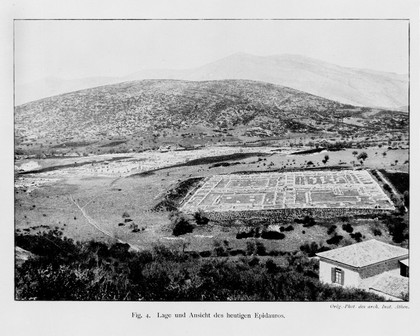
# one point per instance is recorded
(391, 284)
(364, 253)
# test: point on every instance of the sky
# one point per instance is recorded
(80, 49)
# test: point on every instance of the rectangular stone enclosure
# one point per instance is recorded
(342, 189)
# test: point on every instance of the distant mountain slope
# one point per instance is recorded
(346, 85)
(151, 105)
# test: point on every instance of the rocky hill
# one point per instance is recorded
(154, 105)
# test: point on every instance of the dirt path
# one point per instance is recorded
(98, 227)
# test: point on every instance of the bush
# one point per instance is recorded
(272, 267)
(335, 240)
(362, 156)
(331, 229)
(308, 221)
(313, 248)
(347, 227)
(237, 252)
(357, 236)
(254, 261)
(243, 233)
(220, 250)
(398, 228)
(261, 251)
(181, 226)
(193, 254)
(205, 254)
(377, 232)
(250, 248)
(200, 217)
(272, 235)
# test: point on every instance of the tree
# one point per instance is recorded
(181, 225)
(355, 153)
(362, 156)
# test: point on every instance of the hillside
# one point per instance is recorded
(358, 87)
(154, 105)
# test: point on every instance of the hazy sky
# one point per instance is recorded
(78, 49)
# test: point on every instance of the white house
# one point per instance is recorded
(371, 265)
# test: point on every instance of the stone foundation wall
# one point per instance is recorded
(287, 214)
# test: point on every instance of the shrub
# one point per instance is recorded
(377, 232)
(331, 229)
(250, 248)
(272, 235)
(271, 266)
(243, 233)
(357, 236)
(347, 227)
(313, 248)
(254, 261)
(205, 254)
(220, 250)
(237, 252)
(193, 254)
(181, 226)
(335, 239)
(200, 217)
(362, 156)
(308, 221)
(261, 251)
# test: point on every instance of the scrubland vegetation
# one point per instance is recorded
(66, 270)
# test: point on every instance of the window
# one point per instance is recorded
(337, 275)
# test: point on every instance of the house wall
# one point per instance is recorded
(372, 270)
(351, 277)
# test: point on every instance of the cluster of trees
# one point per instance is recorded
(65, 270)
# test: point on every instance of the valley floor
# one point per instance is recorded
(107, 197)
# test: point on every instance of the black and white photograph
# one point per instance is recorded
(214, 160)
(169, 170)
